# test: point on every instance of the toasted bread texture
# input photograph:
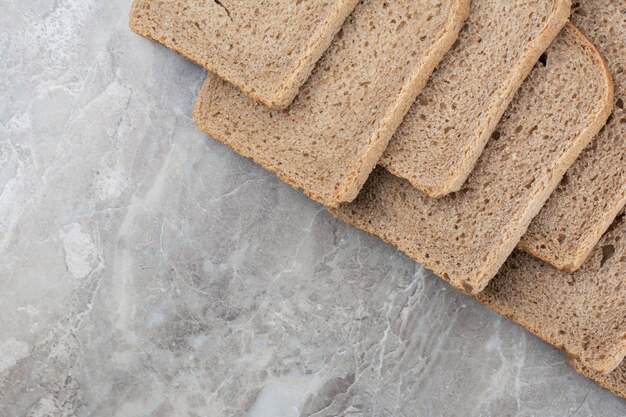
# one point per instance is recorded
(267, 48)
(594, 188)
(329, 140)
(444, 133)
(583, 312)
(465, 237)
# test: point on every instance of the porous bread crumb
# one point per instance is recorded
(466, 236)
(267, 48)
(594, 188)
(614, 381)
(583, 312)
(446, 129)
(331, 137)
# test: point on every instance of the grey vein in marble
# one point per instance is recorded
(149, 271)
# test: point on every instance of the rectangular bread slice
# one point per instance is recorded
(594, 188)
(466, 236)
(446, 129)
(328, 141)
(583, 312)
(267, 48)
(614, 381)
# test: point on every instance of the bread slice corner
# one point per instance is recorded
(267, 49)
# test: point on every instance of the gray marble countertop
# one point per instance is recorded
(149, 271)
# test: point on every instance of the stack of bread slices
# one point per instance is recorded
(486, 139)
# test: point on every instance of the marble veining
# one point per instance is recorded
(149, 271)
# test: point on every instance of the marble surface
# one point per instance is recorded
(149, 271)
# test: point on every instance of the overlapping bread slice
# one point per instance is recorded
(446, 129)
(594, 188)
(583, 312)
(330, 138)
(614, 381)
(267, 48)
(466, 236)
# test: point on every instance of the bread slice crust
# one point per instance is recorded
(594, 190)
(466, 237)
(614, 381)
(329, 140)
(444, 133)
(583, 313)
(267, 49)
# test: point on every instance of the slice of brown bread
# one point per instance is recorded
(583, 312)
(444, 133)
(594, 188)
(614, 381)
(267, 48)
(330, 138)
(466, 236)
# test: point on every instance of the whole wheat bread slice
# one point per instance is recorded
(330, 138)
(267, 48)
(446, 129)
(614, 381)
(466, 236)
(583, 312)
(594, 188)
